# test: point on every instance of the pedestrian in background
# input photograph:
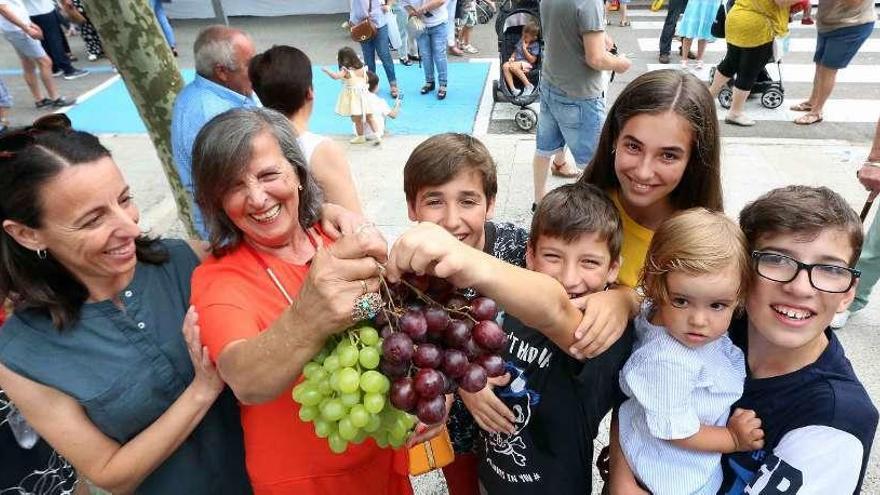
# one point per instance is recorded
(94, 47)
(379, 44)
(167, 30)
(43, 14)
(699, 15)
(434, 15)
(5, 105)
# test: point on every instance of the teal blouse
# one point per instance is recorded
(127, 366)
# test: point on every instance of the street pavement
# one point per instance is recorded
(774, 153)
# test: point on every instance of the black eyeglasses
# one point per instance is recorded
(826, 278)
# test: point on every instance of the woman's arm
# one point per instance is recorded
(260, 368)
(330, 168)
(536, 299)
(60, 420)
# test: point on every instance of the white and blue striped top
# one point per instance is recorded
(672, 390)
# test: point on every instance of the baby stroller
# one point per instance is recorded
(772, 92)
(512, 17)
(485, 11)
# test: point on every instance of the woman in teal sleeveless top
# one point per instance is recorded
(93, 355)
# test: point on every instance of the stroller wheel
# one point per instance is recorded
(725, 97)
(526, 119)
(772, 98)
(496, 91)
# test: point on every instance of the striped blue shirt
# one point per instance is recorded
(672, 390)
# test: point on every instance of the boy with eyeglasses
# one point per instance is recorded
(818, 419)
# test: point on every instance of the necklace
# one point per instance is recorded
(265, 266)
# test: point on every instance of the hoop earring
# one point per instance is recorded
(42, 254)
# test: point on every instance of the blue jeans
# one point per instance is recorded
(53, 41)
(163, 23)
(381, 45)
(575, 122)
(432, 49)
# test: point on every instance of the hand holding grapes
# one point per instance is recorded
(490, 413)
(429, 249)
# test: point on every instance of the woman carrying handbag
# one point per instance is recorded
(369, 27)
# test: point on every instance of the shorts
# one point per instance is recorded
(468, 18)
(745, 63)
(5, 98)
(525, 66)
(575, 122)
(835, 49)
(26, 46)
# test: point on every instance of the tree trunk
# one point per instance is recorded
(134, 42)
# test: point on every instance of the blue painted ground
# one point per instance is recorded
(112, 111)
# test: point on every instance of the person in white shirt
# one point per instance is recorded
(380, 109)
(42, 13)
(23, 35)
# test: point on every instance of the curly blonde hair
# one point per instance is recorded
(695, 242)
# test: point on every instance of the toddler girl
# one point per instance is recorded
(684, 372)
(696, 24)
(353, 99)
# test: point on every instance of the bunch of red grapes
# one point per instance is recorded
(436, 340)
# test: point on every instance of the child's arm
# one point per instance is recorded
(743, 433)
(396, 110)
(335, 75)
(536, 299)
(530, 58)
(606, 315)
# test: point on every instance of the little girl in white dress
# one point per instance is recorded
(353, 101)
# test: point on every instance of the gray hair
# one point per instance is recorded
(221, 154)
(214, 46)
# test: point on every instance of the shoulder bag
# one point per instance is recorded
(364, 30)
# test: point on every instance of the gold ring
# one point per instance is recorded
(366, 306)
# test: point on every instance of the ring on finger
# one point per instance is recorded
(364, 286)
(366, 306)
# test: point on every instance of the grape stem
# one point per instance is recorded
(424, 297)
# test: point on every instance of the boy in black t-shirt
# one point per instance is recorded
(558, 401)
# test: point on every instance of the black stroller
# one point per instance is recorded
(512, 17)
(772, 92)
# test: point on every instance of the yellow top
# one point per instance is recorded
(752, 23)
(634, 248)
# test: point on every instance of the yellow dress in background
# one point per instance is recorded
(353, 97)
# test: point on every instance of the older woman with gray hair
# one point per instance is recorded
(275, 288)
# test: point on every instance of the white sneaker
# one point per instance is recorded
(470, 49)
(840, 319)
(528, 90)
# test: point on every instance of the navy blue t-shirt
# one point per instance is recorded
(558, 402)
(818, 423)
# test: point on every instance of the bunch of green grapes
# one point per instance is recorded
(346, 398)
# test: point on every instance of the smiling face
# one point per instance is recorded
(651, 155)
(460, 206)
(582, 266)
(794, 315)
(264, 202)
(89, 224)
(700, 307)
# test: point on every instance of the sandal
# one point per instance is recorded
(808, 119)
(394, 92)
(624, 23)
(561, 170)
(441, 93)
(803, 106)
(427, 88)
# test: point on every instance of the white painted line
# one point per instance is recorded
(90, 93)
(658, 25)
(645, 13)
(842, 110)
(836, 110)
(806, 45)
(795, 73)
(484, 111)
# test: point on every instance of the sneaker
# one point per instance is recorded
(528, 90)
(405, 61)
(664, 58)
(62, 102)
(58, 73)
(345, 25)
(840, 319)
(76, 74)
(470, 49)
(92, 57)
(808, 21)
(45, 102)
(358, 140)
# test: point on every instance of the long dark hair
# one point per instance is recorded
(348, 58)
(28, 160)
(658, 92)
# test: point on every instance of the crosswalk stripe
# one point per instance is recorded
(658, 25)
(836, 110)
(806, 45)
(796, 73)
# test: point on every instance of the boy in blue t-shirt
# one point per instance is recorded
(558, 400)
(818, 420)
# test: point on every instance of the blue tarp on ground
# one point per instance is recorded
(112, 111)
